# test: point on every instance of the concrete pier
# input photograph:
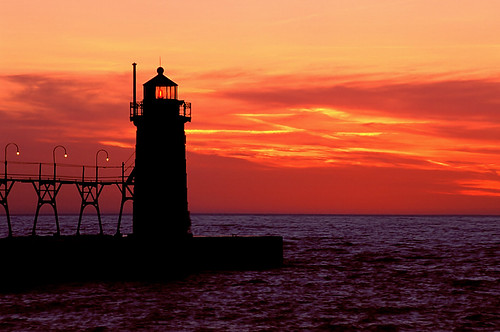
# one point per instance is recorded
(52, 259)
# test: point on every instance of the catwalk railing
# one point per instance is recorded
(137, 110)
(48, 178)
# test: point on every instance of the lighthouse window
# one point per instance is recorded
(161, 92)
(166, 92)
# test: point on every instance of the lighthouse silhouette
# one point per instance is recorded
(160, 204)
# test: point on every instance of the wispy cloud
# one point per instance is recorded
(437, 125)
(64, 108)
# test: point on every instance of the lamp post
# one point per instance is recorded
(5, 191)
(54, 157)
(96, 166)
(5, 158)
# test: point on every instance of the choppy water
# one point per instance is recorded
(342, 273)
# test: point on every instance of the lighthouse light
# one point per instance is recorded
(161, 92)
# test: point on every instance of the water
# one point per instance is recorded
(341, 273)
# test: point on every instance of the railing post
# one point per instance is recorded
(123, 190)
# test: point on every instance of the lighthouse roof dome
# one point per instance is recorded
(160, 79)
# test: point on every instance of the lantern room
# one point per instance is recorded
(160, 97)
(160, 87)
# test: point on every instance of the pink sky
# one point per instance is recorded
(298, 106)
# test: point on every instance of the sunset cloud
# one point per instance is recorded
(332, 107)
(60, 108)
(420, 118)
(373, 123)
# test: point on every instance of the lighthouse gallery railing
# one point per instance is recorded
(137, 110)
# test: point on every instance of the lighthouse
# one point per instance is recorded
(160, 205)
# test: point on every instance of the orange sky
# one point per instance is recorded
(298, 106)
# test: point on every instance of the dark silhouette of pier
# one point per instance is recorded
(47, 181)
(161, 244)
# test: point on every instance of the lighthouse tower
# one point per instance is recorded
(160, 207)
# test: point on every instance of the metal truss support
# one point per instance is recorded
(127, 190)
(89, 192)
(5, 187)
(46, 191)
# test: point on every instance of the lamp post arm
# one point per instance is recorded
(5, 156)
(54, 157)
(96, 165)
